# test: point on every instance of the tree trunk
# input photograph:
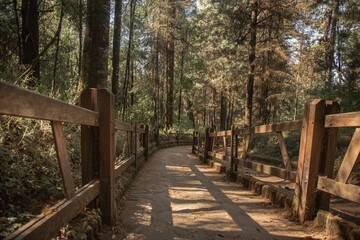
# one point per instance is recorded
(181, 82)
(116, 51)
(251, 66)
(214, 108)
(170, 64)
(128, 57)
(80, 35)
(96, 44)
(30, 38)
(57, 50)
(17, 28)
(223, 111)
(330, 49)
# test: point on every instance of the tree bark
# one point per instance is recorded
(96, 44)
(170, 66)
(251, 65)
(128, 58)
(17, 28)
(57, 49)
(116, 51)
(30, 38)
(330, 48)
(223, 111)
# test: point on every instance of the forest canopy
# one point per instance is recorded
(187, 64)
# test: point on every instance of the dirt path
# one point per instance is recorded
(175, 196)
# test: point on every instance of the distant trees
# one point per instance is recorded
(180, 64)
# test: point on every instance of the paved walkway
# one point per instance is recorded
(175, 196)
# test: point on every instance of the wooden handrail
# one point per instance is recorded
(16, 101)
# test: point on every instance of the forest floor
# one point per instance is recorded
(175, 196)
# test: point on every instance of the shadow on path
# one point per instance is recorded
(175, 196)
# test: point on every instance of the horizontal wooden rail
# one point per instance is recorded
(346, 191)
(123, 165)
(271, 128)
(351, 119)
(124, 126)
(21, 102)
(44, 226)
(268, 169)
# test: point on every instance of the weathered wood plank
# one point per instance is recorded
(246, 146)
(284, 151)
(123, 165)
(146, 142)
(351, 119)
(312, 137)
(21, 102)
(107, 155)
(326, 167)
(43, 227)
(271, 128)
(346, 191)
(89, 139)
(267, 169)
(124, 126)
(63, 157)
(350, 158)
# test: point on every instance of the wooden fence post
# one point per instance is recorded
(246, 146)
(135, 144)
(157, 138)
(311, 143)
(328, 155)
(193, 143)
(146, 142)
(232, 151)
(206, 144)
(178, 139)
(89, 141)
(107, 155)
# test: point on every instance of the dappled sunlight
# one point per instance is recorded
(192, 201)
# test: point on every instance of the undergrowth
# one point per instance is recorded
(30, 178)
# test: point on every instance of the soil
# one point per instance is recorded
(176, 196)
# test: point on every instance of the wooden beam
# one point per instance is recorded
(267, 169)
(284, 152)
(346, 191)
(350, 158)
(21, 102)
(271, 128)
(124, 126)
(107, 155)
(146, 142)
(123, 165)
(326, 167)
(63, 157)
(351, 119)
(232, 149)
(89, 139)
(135, 144)
(246, 146)
(43, 227)
(311, 143)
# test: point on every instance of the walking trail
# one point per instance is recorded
(175, 196)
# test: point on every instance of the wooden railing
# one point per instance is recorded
(315, 167)
(99, 130)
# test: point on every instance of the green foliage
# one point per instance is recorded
(29, 171)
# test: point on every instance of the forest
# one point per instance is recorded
(173, 64)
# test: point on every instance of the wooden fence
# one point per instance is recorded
(313, 172)
(99, 130)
